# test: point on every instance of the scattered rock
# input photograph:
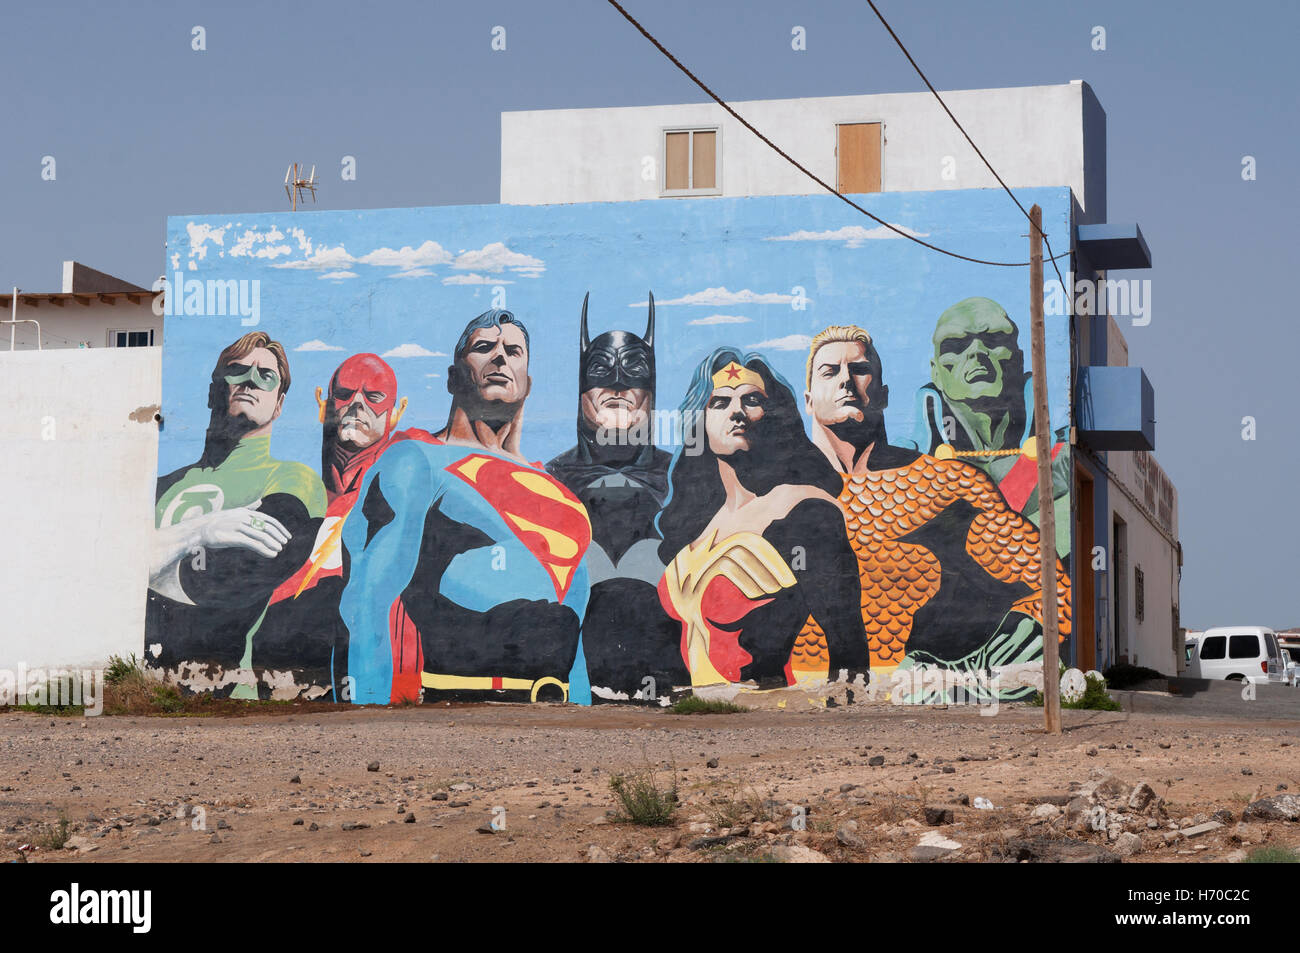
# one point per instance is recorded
(934, 816)
(1128, 844)
(598, 855)
(876, 760)
(314, 826)
(847, 835)
(440, 796)
(296, 779)
(462, 787)
(486, 828)
(1247, 771)
(373, 766)
(354, 826)
(711, 763)
(1199, 829)
(798, 854)
(409, 819)
(1045, 812)
(1091, 752)
(298, 822)
(949, 769)
(983, 804)
(1280, 807)
(1224, 816)
(1046, 850)
(1141, 796)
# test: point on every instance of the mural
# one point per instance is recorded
(707, 526)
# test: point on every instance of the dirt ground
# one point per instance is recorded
(760, 785)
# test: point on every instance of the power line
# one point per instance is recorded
(784, 155)
(919, 72)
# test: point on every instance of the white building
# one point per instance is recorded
(92, 309)
(1125, 509)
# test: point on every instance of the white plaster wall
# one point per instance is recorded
(1151, 641)
(1033, 135)
(78, 508)
(67, 326)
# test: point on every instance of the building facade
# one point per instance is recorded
(1123, 515)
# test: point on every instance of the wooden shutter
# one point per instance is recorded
(704, 163)
(677, 167)
(858, 151)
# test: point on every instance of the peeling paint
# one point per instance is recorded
(145, 414)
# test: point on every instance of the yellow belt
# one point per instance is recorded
(489, 683)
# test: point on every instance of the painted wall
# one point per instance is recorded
(77, 482)
(380, 496)
(1036, 136)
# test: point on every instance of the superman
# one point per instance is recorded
(466, 564)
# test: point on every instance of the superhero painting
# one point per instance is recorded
(525, 507)
(753, 537)
(621, 478)
(949, 571)
(302, 632)
(229, 529)
(977, 407)
(464, 546)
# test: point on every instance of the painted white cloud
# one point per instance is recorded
(432, 375)
(791, 342)
(317, 345)
(408, 259)
(411, 350)
(244, 244)
(202, 233)
(473, 279)
(719, 297)
(176, 260)
(722, 319)
(322, 259)
(496, 257)
(417, 273)
(853, 236)
(338, 275)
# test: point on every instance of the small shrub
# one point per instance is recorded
(641, 800)
(1273, 855)
(55, 836)
(1094, 698)
(167, 698)
(119, 669)
(692, 705)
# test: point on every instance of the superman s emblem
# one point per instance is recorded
(544, 515)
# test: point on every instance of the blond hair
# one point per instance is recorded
(835, 334)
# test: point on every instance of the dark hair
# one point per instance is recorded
(488, 319)
(784, 455)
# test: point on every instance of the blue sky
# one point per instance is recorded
(143, 127)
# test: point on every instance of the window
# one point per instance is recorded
(1139, 593)
(691, 162)
(857, 155)
(1243, 646)
(130, 338)
(1213, 647)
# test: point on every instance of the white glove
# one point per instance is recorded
(244, 527)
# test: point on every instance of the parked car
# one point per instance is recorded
(1290, 668)
(1236, 652)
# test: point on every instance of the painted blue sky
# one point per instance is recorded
(762, 274)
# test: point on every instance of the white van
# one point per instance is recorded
(1244, 652)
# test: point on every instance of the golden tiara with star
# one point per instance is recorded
(733, 375)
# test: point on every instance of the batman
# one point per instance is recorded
(621, 477)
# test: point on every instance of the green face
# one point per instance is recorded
(975, 351)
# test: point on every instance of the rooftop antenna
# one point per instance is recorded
(294, 184)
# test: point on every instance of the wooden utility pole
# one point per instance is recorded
(1046, 499)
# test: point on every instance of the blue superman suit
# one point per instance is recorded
(467, 576)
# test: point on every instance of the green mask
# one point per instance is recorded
(263, 378)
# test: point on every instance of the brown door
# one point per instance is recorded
(857, 151)
(1084, 591)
